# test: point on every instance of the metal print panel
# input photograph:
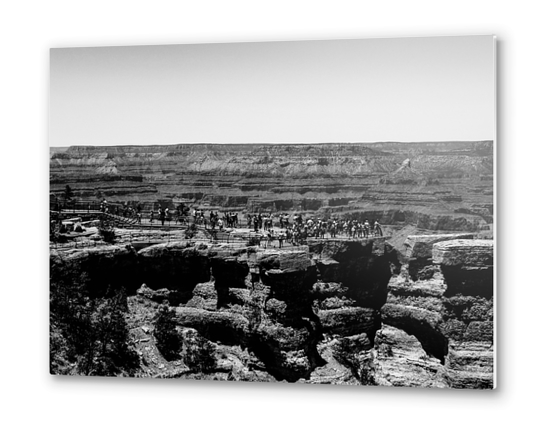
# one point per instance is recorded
(315, 212)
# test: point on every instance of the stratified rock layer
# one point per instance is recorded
(338, 312)
(403, 362)
(451, 313)
(467, 266)
(419, 252)
(468, 254)
(435, 186)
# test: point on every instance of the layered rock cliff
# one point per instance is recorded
(339, 312)
(447, 305)
(435, 186)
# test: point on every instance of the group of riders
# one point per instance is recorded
(123, 210)
(293, 228)
(297, 231)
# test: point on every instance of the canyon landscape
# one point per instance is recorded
(335, 263)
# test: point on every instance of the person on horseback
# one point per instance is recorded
(377, 229)
(162, 214)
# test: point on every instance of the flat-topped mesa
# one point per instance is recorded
(419, 252)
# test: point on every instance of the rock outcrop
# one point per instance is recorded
(403, 362)
(419, 252)
(340, 312)
(450, 309)
(467, 266)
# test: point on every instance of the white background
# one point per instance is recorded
(29, 29)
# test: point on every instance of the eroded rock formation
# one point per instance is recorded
(340, 312)
(449, 309)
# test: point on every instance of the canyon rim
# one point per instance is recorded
(265, 257)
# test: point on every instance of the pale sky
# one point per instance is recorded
(394, 89)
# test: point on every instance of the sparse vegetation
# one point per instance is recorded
(168, 339)
(107, 231)
(191, 231)
(200, 355)
(88, 336)
(269, 315)
(56, 232)
(468, 308)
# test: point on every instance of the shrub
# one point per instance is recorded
(107, 232)
(56, 233)
(191, 231)
(253, 241)
(89, 336)
(200, 355)
(468, 308)
(168, 340)
(113, 354)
